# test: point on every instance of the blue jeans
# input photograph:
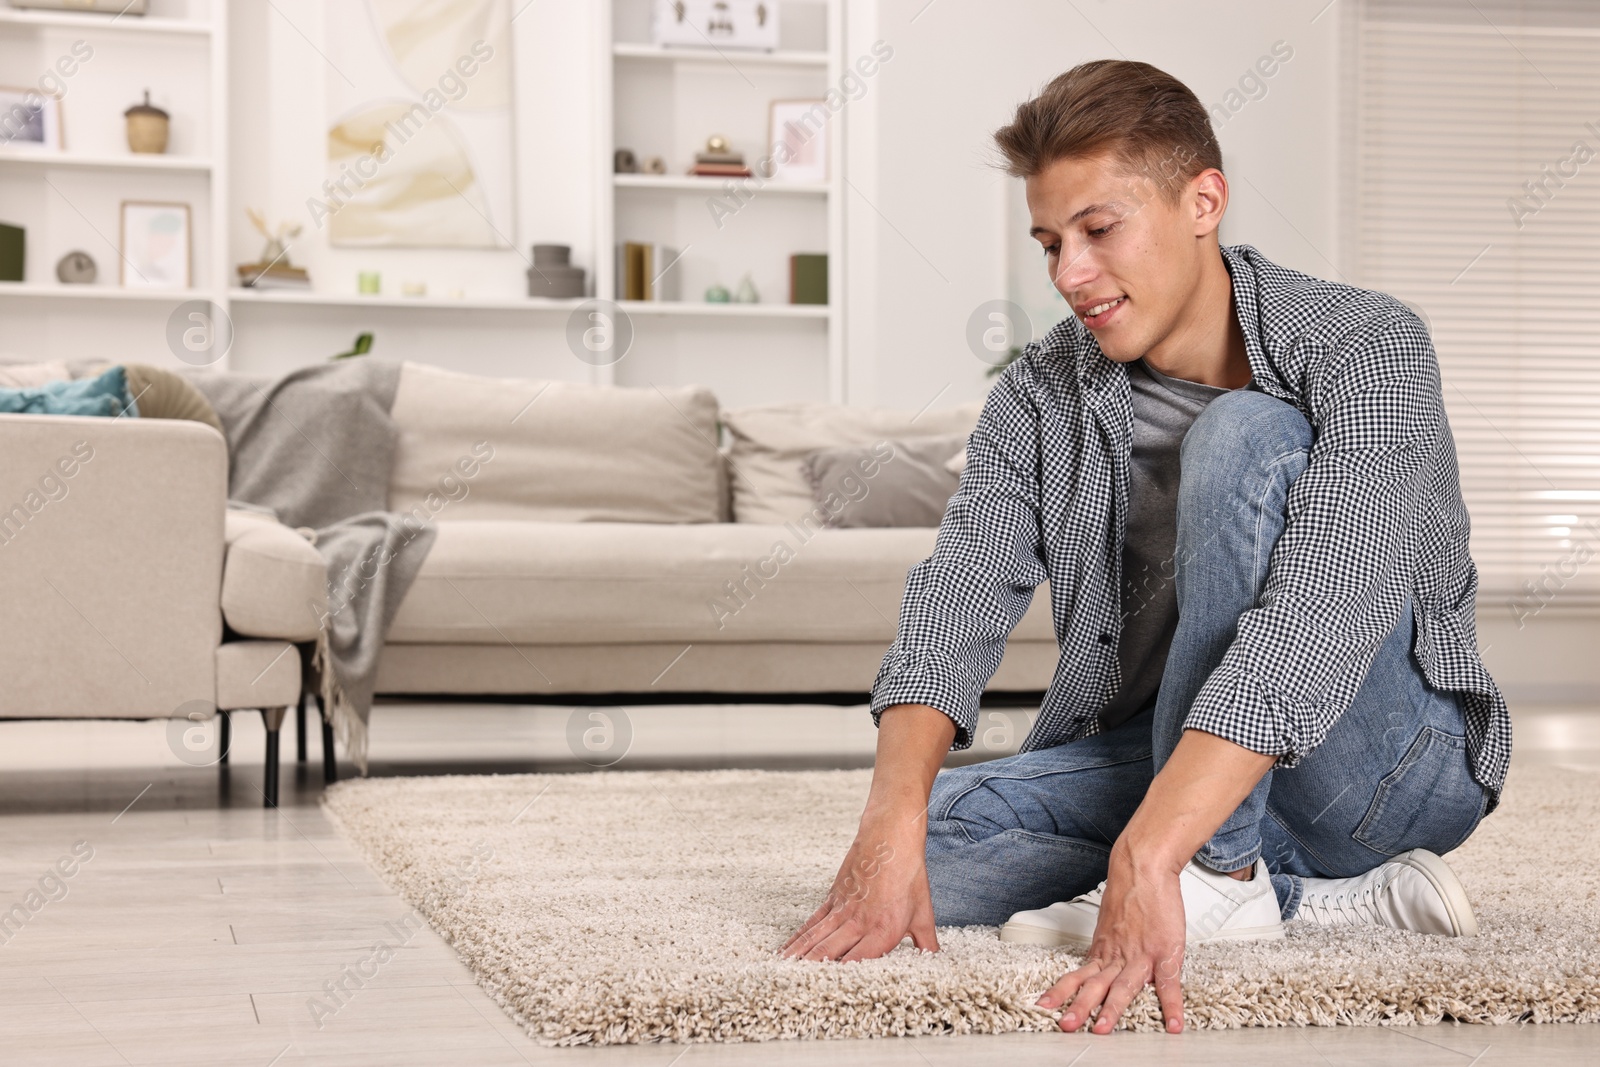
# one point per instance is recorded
(1393, 774)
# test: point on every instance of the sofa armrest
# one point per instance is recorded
(274, 582)
(111, 565)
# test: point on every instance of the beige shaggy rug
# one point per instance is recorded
(621, 907)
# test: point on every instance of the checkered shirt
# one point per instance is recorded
(1376, 515)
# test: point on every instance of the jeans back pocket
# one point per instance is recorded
(1430, 800)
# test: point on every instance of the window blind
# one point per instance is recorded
(1476, 173)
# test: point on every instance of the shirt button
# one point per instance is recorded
(1105, 639)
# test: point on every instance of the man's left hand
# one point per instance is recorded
(1138, 941)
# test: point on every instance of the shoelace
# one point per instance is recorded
(1348, 908)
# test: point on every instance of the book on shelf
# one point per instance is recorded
(720, 170)
(645, 271)
(808, 278)
(273, 276)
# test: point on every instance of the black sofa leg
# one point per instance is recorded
(330, 766)
(300, 730)
(274, 720)
(224, 735)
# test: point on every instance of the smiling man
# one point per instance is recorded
(1241, 487)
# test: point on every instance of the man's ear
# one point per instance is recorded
(1208, 193)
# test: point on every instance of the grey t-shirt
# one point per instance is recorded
(1163, 409)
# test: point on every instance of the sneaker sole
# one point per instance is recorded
(1447, 885)
(1023, 934)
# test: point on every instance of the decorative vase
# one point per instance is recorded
(147, 127)
(717, 294)
(552, 275)
(747, 292)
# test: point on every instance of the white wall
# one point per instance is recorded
(952, 231)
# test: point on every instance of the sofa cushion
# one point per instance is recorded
(553, 451)
(891, 483)
(770, 443)
(492, 582)
(274, 582)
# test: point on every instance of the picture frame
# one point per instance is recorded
(156, 242)
(30, 121)
(801, 126)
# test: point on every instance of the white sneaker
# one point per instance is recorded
(1414, 891)
(1215, 907)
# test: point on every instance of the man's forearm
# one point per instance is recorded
(912, 742)
(1201, 784)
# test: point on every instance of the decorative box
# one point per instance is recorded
(715, 23)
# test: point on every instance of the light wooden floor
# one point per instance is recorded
(202, 925)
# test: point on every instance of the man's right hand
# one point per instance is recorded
(878, 897)
(880, 894)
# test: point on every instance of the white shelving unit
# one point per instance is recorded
(70, 199)
(623, 89)
(666, 102)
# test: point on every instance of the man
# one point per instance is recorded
(1241, 487)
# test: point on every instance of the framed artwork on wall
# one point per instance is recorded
(798, 136)
(29, 120)
(155, 245)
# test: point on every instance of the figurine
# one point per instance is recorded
(276, 248)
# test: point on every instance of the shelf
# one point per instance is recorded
(120, 161)
(725, 311)
(291, 297)
(693, 184)
(712, 55)
(114, 23)
(33, 290)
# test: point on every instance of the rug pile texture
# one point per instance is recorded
(623, 907)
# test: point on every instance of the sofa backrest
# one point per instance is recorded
(770, 444)
(520, 448)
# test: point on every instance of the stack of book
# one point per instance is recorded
(719, 165)
(273, 276)
(646, 271)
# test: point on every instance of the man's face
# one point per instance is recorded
(1123, 255)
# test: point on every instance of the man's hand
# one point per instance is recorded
(881, 892)
(1140, 935)
(879, 896)
(1138, 941)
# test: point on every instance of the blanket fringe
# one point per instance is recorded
(348, 728)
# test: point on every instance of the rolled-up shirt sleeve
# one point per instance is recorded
(962, 602)
(1339, 575)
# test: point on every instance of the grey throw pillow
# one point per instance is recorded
(903, 482)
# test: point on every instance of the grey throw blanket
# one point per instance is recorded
(316, 447)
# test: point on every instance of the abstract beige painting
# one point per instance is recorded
(420, 131)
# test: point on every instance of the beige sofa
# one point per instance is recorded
(114, 562)
(613, 543)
